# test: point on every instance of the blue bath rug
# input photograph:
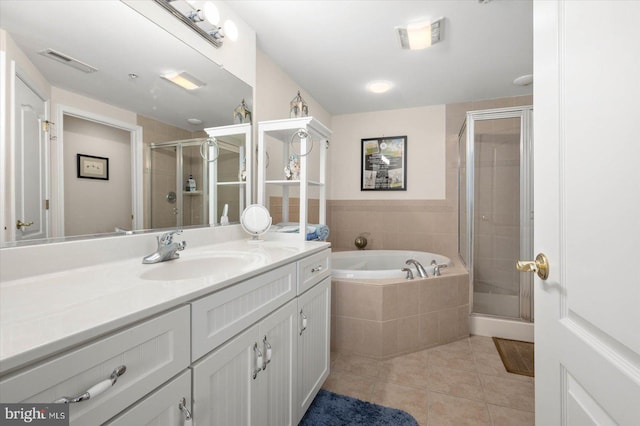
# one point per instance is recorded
(331, 409)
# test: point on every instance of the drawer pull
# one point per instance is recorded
(316, 269)
(96, 389)
(304, 322)
(259, 360)
(267, 352)
(182, 406)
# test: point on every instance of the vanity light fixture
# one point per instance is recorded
(202, 17)
(184, 80)
(420, 35)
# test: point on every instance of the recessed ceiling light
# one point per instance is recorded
(184, 80)
(523, 80)
(379, 86)
(194, 121)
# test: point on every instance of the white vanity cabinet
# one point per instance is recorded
(252, 353)
(314, 310)
(268, 374)
(250, 379)
(152, 352)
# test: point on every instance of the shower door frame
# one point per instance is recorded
(525, 114)
(179, 145)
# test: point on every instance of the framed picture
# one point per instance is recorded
(92, 167)
(384, 164)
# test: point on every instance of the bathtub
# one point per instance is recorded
(372, 264)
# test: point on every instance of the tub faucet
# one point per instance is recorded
(421, 271)
(167, 249)
(436, 268)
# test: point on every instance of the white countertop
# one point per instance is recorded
(45, 314)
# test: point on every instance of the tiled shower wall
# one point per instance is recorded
(428, 225)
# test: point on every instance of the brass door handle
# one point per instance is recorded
(20, 224)
(540, 266)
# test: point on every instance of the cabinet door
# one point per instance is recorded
(224, 384)
(162, 407)
(313, 343)
(276, 402)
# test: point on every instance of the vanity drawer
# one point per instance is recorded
(162, 407)
(222, 315)
(153, 352)
(313, 269)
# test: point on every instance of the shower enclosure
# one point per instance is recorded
(495, 215)
(172, 203)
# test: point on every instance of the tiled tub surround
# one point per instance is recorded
(384, 318)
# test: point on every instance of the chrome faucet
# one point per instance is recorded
(436, 268)
(421, 271)
(167, 249)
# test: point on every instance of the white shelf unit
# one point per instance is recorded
(318, 138)
(233, 138)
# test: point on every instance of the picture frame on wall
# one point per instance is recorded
(383, 164)
(92, 167)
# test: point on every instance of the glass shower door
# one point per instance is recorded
(164, 190)
(499, 214)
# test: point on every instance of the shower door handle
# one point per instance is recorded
(540, 266)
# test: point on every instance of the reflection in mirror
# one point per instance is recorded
(229, 172)
(127, 88)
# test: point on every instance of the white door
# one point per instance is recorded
(587, 204)
(30, 157)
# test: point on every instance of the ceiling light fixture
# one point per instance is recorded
(379, 86)
(523, 80)
(420, 35)
(203, 20)
(184, 80)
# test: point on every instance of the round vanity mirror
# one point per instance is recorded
(255, 220)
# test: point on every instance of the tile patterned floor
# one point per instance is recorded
(461, 383)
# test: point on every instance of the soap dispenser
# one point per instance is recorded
(191, 184)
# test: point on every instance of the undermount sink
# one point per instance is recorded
(206, 264)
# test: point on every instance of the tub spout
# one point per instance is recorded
(422, 273)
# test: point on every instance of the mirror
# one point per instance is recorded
(126, 92)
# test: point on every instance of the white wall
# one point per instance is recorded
(425, 131)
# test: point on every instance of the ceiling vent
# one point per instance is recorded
(420, 35)
(67, 60)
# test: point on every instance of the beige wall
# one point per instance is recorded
(425, 131)
(94, 206)
(274, 90)
(409, 224)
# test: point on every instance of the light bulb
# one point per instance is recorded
(211, 13)
(231, 30)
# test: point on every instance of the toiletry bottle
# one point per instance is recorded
(224, 219)
(191, 184)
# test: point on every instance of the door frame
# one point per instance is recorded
(524, 113)
(135, 131)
